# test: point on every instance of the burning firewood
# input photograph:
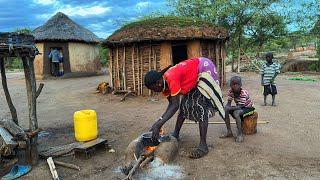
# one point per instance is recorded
(166, 151)
(140, 160)
(146, 161)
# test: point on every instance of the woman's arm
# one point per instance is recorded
(172, 108)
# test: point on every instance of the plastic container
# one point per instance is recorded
(85, 125)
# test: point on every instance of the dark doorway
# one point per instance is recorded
(55, 66)
(64, 53)
(179, 53)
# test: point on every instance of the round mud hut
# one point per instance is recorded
(156, 43)
(76, 44)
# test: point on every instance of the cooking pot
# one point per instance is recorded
(148, 141)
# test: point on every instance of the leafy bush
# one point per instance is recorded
(14, 63)
(313, 67)
(103, 56)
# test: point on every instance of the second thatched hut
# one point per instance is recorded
(156, 43)
(78, 46)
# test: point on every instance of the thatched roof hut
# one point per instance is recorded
(156, 43)
(78, 45)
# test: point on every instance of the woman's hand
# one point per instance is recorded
(155, 129)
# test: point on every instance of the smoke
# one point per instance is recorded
(158, 170)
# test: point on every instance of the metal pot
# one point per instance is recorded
(148, 141)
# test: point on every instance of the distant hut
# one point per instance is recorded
(78, 45)
(156, 43)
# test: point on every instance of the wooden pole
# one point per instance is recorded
(238, 62)
(133, 72)
(155, 59)
(118, 69)
(218, 64)
(111, 68)
(217, 56)
(68, 165)
(7, 94)
(150, 52)
(28, 66)
(138, 68)
(53, 170)
(124, 69)
(223, 78)
(141, 73)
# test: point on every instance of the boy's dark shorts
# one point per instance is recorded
(246, 112)
(270, 89)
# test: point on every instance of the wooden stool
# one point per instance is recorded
(249, 125)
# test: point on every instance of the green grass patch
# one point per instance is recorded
(167, 21)
(302, 79)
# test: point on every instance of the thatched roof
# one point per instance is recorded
(166, 28)
(61, 28)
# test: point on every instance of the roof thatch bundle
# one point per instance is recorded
(61, 28)
(166, 28)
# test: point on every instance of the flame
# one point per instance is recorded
(151, 149)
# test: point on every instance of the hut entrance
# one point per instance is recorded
(179, 53)
(56, 68)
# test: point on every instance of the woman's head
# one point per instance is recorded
(235, 83)
(153, 80)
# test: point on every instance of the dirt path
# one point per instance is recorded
(286, 148)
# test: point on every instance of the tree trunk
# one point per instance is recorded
(32, 151)
(259, 50)
(239, 51)
(6, 92)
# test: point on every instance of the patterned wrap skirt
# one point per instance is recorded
(196, 107)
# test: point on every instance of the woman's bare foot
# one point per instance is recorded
(239, 138)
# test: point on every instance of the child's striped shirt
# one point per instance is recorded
(269, 72)
(243, 100)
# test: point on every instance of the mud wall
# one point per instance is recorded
(38, 61)
(84, 57)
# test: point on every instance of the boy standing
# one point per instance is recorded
(244, 107)
(269, 72)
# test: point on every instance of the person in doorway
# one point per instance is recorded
(244, 107)
(54, 56)
(269, 72)
(195, 80)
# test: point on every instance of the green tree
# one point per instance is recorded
(103, 56)
(316, 32)
(23, 31)
(265, 27)
(235, 15)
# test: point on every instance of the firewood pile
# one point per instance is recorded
(104, 88)
(13, 137)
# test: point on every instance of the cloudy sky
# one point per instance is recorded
(100, 16)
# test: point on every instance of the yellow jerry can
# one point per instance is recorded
(85, 125)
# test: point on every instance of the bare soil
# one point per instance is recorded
(286, 148)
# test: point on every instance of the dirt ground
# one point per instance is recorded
(286, 148)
